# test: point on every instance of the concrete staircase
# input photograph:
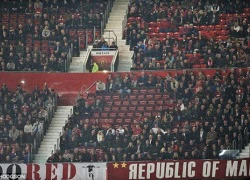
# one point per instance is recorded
(116, 17)
(47, 145)
(77, 63)
(245, 153)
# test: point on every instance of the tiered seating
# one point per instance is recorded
(172, 28)
(24, 118)
(184, 106)
(78, 23)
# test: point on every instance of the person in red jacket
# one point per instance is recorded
(137, 130)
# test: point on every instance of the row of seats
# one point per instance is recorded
(122, 121)
(23, 122)
(162, 30)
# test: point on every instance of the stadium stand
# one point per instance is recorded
(179, 34)
(44, 35)
(180, 116)
(24, 119)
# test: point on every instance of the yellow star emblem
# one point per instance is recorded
(115, 165)
(124, 165)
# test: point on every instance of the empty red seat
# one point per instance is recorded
(203, 28)
(124, 108)
(130, 114)
(217, 27)
(131, 19)
(115, 108)
(151, 29)
(152, 24)
(152, 35)
(141, 108)
(121, 114)
(132, 108)
(222, 21)
(176, 35)
(141, 96)
(196, 66)
(106, 108)
(158, 96)
(132, 96)
(134, 102)
(117, 102)
(119, 120)
(125, 102)
(149, 96)
(162, 35)
(112, 114)
(142, 102)
(170, 34)
(151, 102)
(96, 114)
(149, 108)
(211, 27)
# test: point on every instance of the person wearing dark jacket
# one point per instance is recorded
(125, 88)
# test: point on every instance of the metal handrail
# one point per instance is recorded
(42, 130)
(114, 61)
(86, 59)
(109, 37)
(229, 152)
(87, 89)
(57, 145)
(240, 142)
(124, 23)
(234, 146)
(246, 136)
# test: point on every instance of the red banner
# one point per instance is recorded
(197, 169)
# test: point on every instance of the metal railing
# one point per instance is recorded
(124, 23)
(246, 138)
(68, 59)
(115, 62)
(42, 128)
(104, 20)
(86, 60)
(57, 145)
(86, 91)
(111, 37)
(240, 142)
(234, 146)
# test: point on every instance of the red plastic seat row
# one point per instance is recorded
(199, 66)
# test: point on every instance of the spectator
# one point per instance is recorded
(13, 134)
(95, 68)
(28, 128)
(46, 33)
(100, 87)
(211, 135)
(113, 46)
(125, 88)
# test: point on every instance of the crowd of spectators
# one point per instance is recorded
(200, 115)
(36, 35)
(22, 119)
(103, 45)
(161, 33)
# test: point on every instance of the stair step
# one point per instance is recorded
(50, 139)
(51, 134)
